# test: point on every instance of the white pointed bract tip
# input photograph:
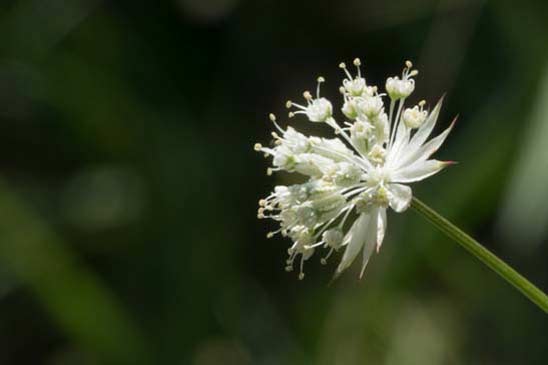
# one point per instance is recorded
(353, 179)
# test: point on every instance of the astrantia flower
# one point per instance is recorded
(350, 181)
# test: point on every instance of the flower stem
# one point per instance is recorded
(534, 294)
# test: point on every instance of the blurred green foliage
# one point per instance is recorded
(129, 184)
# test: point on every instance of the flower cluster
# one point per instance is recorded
(356, 176)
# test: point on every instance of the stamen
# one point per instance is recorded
(358, 63)
(342, 65)
(301, 273)
(323, 260)
(320, 80)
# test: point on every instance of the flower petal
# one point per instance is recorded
(400, 143)
(370, 239)
(426, 150)
(381, 228)
(354, 241)
(400, 197)
(419, 171)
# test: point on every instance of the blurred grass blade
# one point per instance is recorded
(534, 294)
(75, 298)
(524, 216)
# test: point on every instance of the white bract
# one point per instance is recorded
(351, 180)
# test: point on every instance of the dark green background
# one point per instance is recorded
(129, 187)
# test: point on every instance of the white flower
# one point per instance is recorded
(317, 110)
(400, 89)
(414, 117)
(352, 180)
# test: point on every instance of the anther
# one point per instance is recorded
(269, 171)
(272, 117)
(291, 114)
(323, 261)
(262, 202)
(422, 103)
(414, 73)
(409, 64)
(274, 135)
(341, 90)
(342, 65)
(288, 104)
(321, 79)
(301, 276)
(357, 62)
(307, 95)
(270, 235)
(257, 146)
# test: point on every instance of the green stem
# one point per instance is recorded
(534, 294)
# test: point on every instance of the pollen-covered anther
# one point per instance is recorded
(342, 65)
(321, 79)
(307, 95)
(408, 64)
(357, 62)
(288, 104)
(257, 146)
(290, 114)
(272, 117)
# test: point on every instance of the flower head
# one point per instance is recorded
(352, 180)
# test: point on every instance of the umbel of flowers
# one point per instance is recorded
(351, 180)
